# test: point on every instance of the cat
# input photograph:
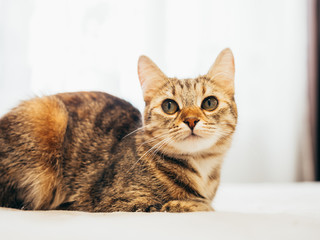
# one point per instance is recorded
(90, 151)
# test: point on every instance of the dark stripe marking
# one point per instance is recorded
(204, 90)
(178, 181)
(54, 192)
(180, 84)
(232, 111)
(187, 83)
(214, 174)
(178, 162)
(173, 90)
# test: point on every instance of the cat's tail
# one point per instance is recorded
(34, 134)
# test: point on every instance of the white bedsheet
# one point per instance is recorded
(243, 211)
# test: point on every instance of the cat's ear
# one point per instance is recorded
(222, 71)
(150, 76)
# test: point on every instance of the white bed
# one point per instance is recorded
(243, 211)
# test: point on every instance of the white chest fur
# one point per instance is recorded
(205, 167)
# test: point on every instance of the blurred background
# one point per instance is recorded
(51, 46)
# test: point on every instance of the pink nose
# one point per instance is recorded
(191, 122)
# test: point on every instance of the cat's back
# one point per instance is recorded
(97, 106)
(99, 118)
(45, 120)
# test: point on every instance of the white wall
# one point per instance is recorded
(70, 45)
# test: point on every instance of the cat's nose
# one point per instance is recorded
(191, 122)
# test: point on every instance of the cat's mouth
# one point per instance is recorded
(192, 136)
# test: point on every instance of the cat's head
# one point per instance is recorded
(187, 116)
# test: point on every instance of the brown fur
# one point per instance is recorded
(89, 151)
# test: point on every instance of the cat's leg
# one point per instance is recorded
(186, 206)
(138, 205)
(129, 204)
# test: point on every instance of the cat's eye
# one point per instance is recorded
(209, 103)
(169, 106)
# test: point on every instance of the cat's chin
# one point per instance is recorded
(192, 137)
(194, 144)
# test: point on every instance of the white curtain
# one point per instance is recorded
(49, 46)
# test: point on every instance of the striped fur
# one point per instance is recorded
(91, 151)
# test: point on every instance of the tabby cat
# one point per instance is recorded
(90, 151)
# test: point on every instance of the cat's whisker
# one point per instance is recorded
(145, 155)
(138, 129)
(217, 132)
(171, 131)
(156, 150)
(218, 124)
(152, 140)
(166, 143)
(164, 151)
(215, 128)
(221, 134)
(179, 136)
(155, 147)
(223, 130)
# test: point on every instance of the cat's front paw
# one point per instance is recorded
(147, 208)
(186, 206)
